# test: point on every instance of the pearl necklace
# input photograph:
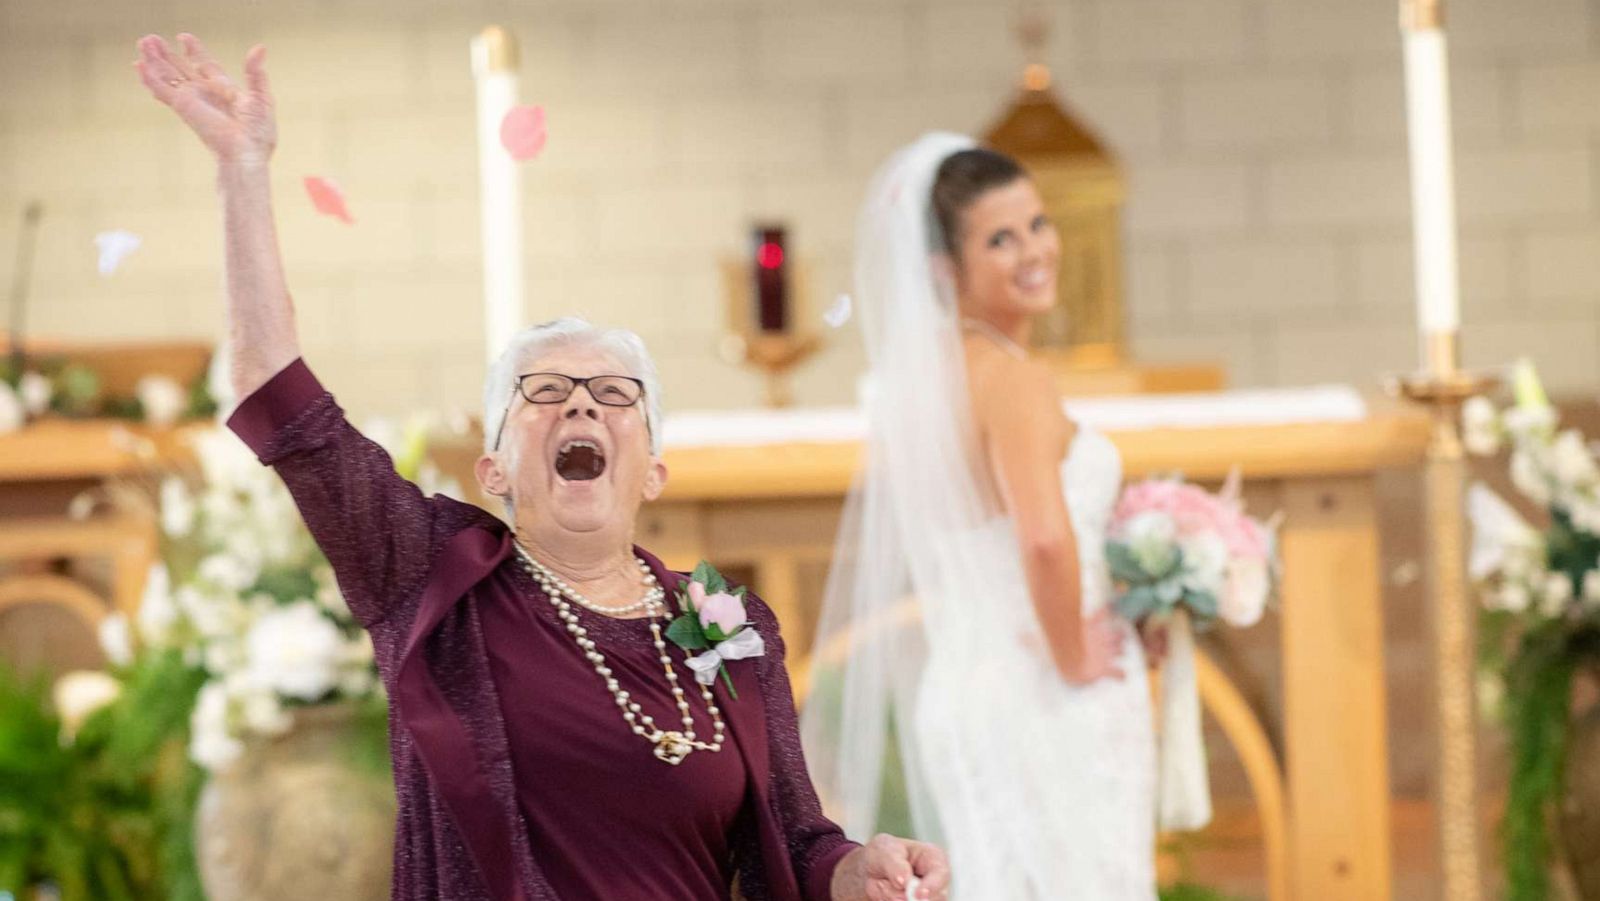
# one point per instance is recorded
(670, 746)
(544, 574)
(993, 334)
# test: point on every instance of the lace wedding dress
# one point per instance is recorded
(1043, 789)
(945, 691)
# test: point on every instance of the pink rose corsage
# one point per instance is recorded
(714, 623)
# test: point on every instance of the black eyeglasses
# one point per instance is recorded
(555, 388)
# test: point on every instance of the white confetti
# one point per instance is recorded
(115, 245)
(838, 314)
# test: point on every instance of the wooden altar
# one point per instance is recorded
(52, 563)
(767, 507)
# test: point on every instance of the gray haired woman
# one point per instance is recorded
(525, 664)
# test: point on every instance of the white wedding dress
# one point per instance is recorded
(931, 662)
(1043, 789)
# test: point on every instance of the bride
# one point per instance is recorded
(969, 584)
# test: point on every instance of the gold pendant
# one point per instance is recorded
(672, 748)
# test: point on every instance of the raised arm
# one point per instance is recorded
(377, 530)
(1025, 436)
(238, 125)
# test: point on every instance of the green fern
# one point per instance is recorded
(106, 816)
(1538, 689)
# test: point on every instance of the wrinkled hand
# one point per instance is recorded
(236, 123)
(1102, 645)
(881, 870)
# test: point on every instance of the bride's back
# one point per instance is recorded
(1005, 392)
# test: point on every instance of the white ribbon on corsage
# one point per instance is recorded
(1185, 789)
(747, 643)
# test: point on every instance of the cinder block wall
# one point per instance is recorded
(1268, 225)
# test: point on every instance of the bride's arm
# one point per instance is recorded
(1024, 437)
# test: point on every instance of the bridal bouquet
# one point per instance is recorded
(1172, 544)
(1181, 554)
(1540, 627)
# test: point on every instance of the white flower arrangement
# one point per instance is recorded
(244, 594)
(1535, 575)
(61, 388)
(78, 694)
(1540, 589)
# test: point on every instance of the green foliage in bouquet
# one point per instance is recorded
(1158, 590)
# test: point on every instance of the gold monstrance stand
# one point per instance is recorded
(1083, 187)
(1442, 387)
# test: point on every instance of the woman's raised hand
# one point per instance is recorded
(235, 122)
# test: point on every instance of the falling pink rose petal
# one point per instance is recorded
(522, 132)
(328, 199)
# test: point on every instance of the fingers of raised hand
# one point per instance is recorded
(255, 71)
(155, 47)
(169, 76)
(207, 77)
(199, 59)
(157, 69)
(161, 88)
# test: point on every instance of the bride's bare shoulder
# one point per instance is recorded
(1008, 388)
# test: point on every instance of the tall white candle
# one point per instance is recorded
(1433, 203)
(494, 68)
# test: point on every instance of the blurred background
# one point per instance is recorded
(1267, 219)
(1259, 154)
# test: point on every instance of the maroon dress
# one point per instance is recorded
(603, 797)
(516, 776)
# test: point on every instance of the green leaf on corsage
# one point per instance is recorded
(686, 633)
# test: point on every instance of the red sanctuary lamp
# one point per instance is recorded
(772, 290)
(768, 325)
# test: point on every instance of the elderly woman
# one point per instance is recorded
(526, 666)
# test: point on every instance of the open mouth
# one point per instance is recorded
(580, 461)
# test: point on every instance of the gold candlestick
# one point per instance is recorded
(1443, 387)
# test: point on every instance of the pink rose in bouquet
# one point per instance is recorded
(1172, 542)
